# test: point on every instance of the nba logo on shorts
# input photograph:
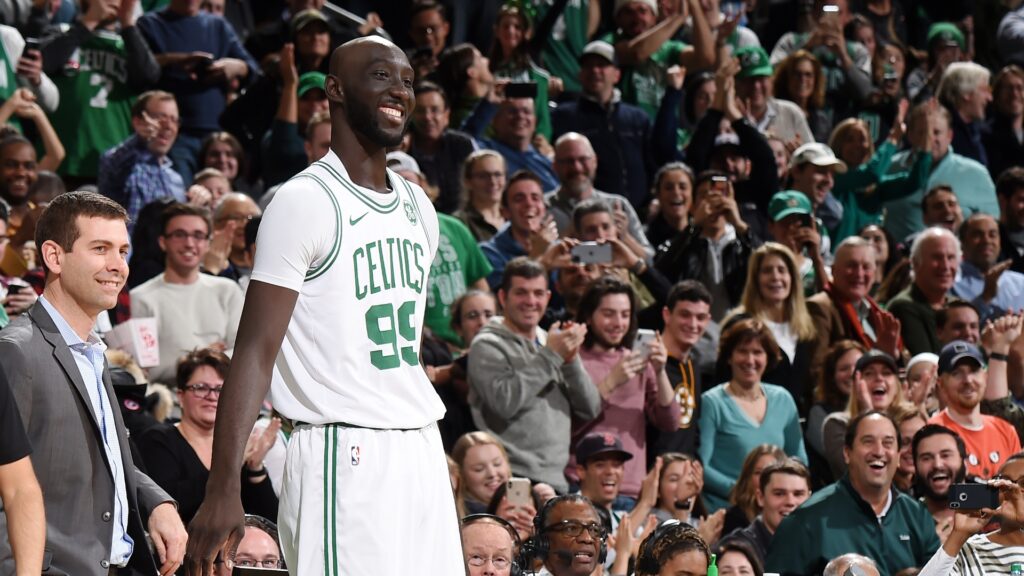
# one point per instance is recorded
(354, 453)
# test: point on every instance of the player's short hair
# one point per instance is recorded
(586, 208)
(59, 221)
(189, 363)
(143, 101)
(318, 118)
(176, 209)
(521, 267)
(517, 176)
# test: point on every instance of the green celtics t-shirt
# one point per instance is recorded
(95, 103)
(568, 38)
(457, 264)
(644, 84)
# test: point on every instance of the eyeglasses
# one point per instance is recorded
(250, 563)
(475, 314)
(499, 563)
(573, 528)
(181, 236)
(1018, 481)
(203, 390)
(488, 175)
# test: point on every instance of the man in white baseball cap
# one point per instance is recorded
(812, 169)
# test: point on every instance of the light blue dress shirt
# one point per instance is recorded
(90, 360)
(1009, 292)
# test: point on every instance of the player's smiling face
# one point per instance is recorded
(378, 98)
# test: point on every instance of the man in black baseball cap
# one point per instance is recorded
(963, 378)
(600, 460)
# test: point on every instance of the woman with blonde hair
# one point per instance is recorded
(866, 184)
(483, 182)
(483, 465)
(773, 295)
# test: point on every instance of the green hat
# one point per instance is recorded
(310, 80)
(788, 202)
(948, 34)
(753, 62)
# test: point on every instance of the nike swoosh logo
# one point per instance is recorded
(353, 221)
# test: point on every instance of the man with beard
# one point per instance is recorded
(527, 385)
(963, 377)
(18, 172)
(862, 511)
(348, 289)
(576, 166)
(634, 386)
(939, 456)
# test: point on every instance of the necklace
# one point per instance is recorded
(756, 395)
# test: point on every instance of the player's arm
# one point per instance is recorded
(26, 522)
(265, 316)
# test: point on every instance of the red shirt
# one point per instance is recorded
(988, 447)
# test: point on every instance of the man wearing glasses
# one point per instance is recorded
(193, 310)
(490, 545)
(574, 536)
(258, 548)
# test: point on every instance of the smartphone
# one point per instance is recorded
(31, 43)
(720, 184)
(521, 90)
(15, 288)
(973, 496)
(518, 492)
(806, 221)
(830, 9)
(591, 253)
(642, 342)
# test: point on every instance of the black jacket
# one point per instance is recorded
(1001, 145)
(686, 258)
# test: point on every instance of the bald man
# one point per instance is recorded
(337, 296)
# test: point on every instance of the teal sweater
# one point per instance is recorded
(863, 190)
(727, 435)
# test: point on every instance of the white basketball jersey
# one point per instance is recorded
(359, 260)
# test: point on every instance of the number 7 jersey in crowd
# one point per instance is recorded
(359, 260)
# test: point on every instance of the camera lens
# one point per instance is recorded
(954, 505)
(963, 497)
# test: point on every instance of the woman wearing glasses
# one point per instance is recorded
(177, 457)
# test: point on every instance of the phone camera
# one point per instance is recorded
(963, 497)
(954, 505)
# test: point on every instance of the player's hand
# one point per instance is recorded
(219, 523)
(169, 537)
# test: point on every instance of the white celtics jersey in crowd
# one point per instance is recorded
(359, 260)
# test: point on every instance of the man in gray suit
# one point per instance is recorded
(96, 499)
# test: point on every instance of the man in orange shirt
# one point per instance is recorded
(963, 377)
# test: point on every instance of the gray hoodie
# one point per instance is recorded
(524, 394)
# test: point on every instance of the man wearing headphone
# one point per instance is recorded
(490, 544)
(569, 538)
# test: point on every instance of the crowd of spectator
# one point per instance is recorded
(709, 271)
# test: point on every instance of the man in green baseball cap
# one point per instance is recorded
(782, 118)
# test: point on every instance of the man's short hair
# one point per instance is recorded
(1011, 180)
(851, 429)
(207, 173)
(853, 242)
(59, 221)
(687, 291)
(966, 225)
(790, 466)
(143, 101)
(172, 211)
(13, 139)
(517, 176)
(521, 267)
(959, 80)
(425, 5)
(929, 430)
(933, 192)
(591, 301)
(586, 208)
(189, 363)
(928, 234)
(747, 330)
(318, 118)
(942, 315)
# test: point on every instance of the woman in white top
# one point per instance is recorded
(774, 296)
(967, 552)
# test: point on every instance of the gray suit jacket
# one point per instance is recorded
(68, 456)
